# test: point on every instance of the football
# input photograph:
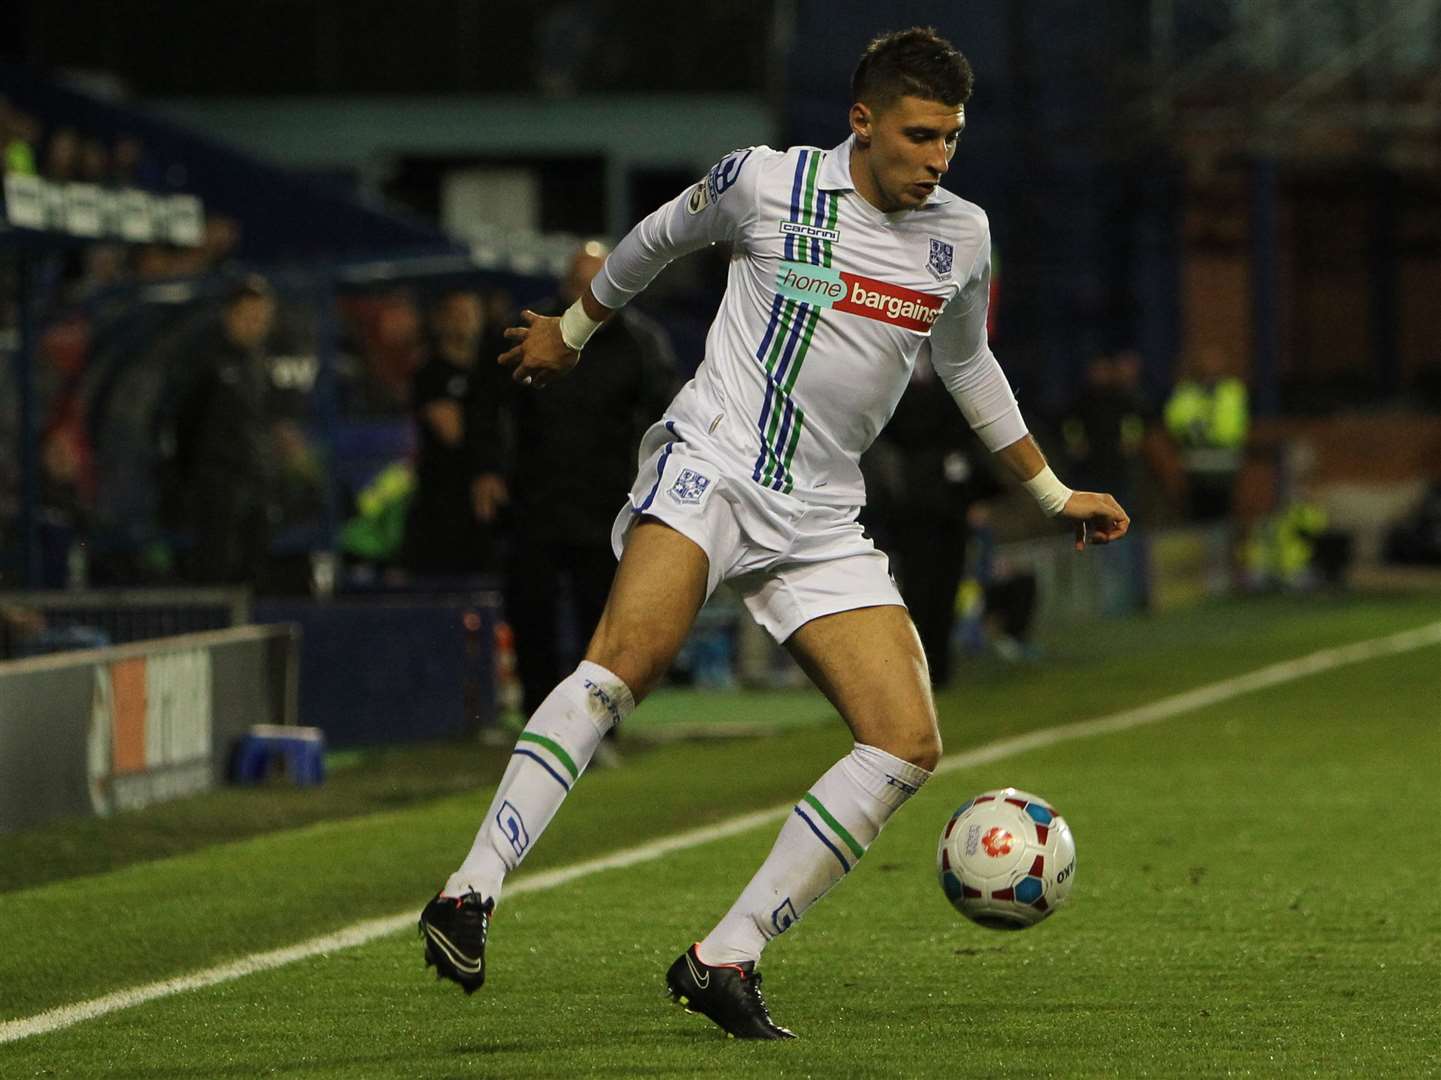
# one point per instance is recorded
(1006, 859)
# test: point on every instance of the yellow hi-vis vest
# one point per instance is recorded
(1209, 423)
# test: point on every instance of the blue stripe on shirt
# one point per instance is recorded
(796, 200)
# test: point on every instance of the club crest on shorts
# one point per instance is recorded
(942, 255)
(689, 486)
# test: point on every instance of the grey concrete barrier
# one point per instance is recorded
(112, 729)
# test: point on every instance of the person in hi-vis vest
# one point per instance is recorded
(1208, 415)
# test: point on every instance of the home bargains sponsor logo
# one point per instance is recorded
(822, 286)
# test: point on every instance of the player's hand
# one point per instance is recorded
(541, 355)
(1098, 518)
(488, 494)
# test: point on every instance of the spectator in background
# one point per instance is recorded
(1109, 434)
(105, 265)
(62, 155)
(574, 460)
(1208, 416)
(154, 262)
(93, 162)
(1105, 427)
(1007, 594)
(924, 475)
(131, 167)
(67, 473)
(17, 140)
(218, 244)
(216, 444)
(451, 526)
(385, 347)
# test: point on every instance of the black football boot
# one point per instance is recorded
(729, 994)
(455, 932)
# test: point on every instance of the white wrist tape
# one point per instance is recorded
(576, 327)
(1048, 491)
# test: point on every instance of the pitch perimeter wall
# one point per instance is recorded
(119, 728)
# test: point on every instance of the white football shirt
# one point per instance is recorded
(828, 305)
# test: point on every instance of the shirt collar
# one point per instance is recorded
(835, 170)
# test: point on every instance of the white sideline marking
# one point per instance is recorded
(368, 930)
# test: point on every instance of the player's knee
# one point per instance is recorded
(920, 746)
(926, 754)
(629, 660)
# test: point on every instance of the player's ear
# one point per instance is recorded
(861, 123)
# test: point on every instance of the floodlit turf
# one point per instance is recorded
(1257, 894)
(1085, 671)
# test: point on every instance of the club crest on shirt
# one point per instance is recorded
(942, 255)
(689, 486)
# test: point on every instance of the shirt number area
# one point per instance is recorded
(724, 173)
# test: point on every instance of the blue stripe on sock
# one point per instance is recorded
(845, 866)
(558, 778)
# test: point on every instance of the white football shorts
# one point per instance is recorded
(788, 560)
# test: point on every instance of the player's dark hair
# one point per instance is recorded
(917, 62)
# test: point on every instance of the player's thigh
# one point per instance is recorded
(869, 664)
(659, 587)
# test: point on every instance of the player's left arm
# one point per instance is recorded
(963, 359)
(1096, 516)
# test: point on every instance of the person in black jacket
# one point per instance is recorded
(572, 463)
(219, 452)
(451, 525)
(924, 474)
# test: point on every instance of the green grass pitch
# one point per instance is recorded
(1258, 894)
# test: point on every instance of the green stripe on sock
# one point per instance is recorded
(836, 826)
(555, 748)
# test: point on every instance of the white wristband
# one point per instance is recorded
(1048, 491)
(576, 327)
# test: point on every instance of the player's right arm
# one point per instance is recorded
(963, 359)
(715, 209)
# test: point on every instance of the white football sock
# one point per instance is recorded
(825, 836)
(549, 756)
